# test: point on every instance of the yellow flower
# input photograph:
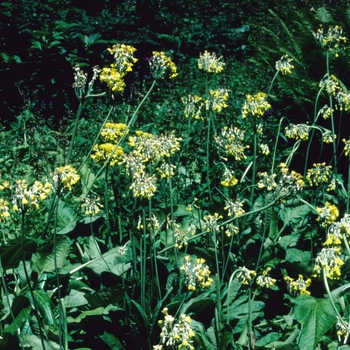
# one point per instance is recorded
(255, 105)
(160, 64)
(284, 66)
(65, 177)
(210, 63)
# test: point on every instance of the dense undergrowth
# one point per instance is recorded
(183, 206)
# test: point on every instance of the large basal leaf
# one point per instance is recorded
(112, 341)
(32, 341)
(44, 305)
(75, 299)
(294, 255)
(66, 218)
(317, 316)
(21, 310)
(11, 255)
(294, 215)
(45, 262)
(116, 260)
(95, 312)
(87, 178)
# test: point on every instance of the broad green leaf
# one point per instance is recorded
(232, 291)
(289, 241)
(75, 299)
(66, 218)
(268, 338)
(32, 341)
(94, 312)
(87, 178)
(44, 305)
(141, 315)
(112, 341)
(11, 255)
(295, 255)
(197, 304)
(317, 317)
(294, 215)
(45, 262)
(21, 309)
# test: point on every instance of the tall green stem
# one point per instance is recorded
(254, 167)
(77, 117)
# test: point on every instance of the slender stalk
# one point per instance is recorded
(65, 323)
(348, 196)
(107, 208)
(29, 284)
(254, 167)
(75, 128)
(9, 304)
(276, 144)
(207, 154)
(143, 260)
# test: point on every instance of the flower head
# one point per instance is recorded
(65, 177)
(284, 65)
(193, 106)
(245, 275)
(105, 150)
(197, 274)
(329, 260)
(160, 64)
(328, 214)
(91, 206)
(210, 63)
(113, 132)
(320, 173)
(255, 105)
(217, 100)
(264, 280)
(299, 286)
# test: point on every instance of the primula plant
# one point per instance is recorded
(201, 223)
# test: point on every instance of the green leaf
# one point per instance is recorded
(66, 218)
(75, 299)
(317, 317)
(32, 341)
(112, 341)
(21, 309)
(45, 262)
(44, 305)
(294, 215)
(323, 15)
(296, 255)
(269, 338)
(95, 312)
(87, 178)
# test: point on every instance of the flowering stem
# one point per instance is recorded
(77, 117)
(348, 196)
(208, 144)
(143, 260)
(28, 282)
(107, 208)
(96, 139)
(276, 144)
(272, 81)
(324, 273)
(254, 167)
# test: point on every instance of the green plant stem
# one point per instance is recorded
(96, 139)
(75, 128)
(276, 144)
(143, 260)
(348, 191)
(9, 304)
(29, 284)
(65, 323)
(272, 82)
(340, 319)
(254, 167)
(108, 243)
(172, 216)
(60, 311)
(207, 155)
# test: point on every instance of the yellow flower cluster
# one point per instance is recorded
(123, 63)
(123, 57)
(326, 112)
(143, 185)
(210, 63)
(217, 100)
(25, 197)
(284, 65)
(231, 230)
(343, 100)
(264, 280)
(328, 137)
(232, 141)
(267, 181)
(193, 106)
(160, 64)
(299, 286)
(229, 179)
(346, 147)
(166, 171)
(330, 84)
(245, 275)
(255, 106)
(91, 206)
(103, 151)
(234, 208)
(329, 260)
(327, 214)
(4, 210)
(175, 334)
(264, 148)
(332, 39)
(113, 132)
(320, 173)
(182, 235)
(211, 222)
(297, 131)
(197, 275)
(290, 182)
(65, 177)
